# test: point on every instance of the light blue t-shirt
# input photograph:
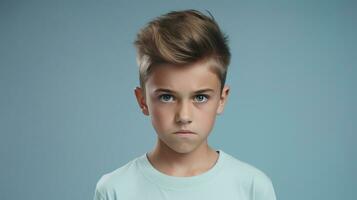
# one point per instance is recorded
(228, 179)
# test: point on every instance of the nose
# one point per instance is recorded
(184, 113)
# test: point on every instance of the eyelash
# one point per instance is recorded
(205, 96)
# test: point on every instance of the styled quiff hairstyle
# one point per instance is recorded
(180, 38)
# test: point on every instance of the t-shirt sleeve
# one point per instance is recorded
(100, 190)
(263, 188)
(98, 195)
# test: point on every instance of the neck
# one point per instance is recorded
(188, 163)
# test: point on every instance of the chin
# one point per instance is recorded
(184, 148)
(180, 147)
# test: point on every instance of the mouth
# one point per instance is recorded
(184, 132)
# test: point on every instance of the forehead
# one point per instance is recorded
(186, 78)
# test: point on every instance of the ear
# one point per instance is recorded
(140, 97)
(223, 99)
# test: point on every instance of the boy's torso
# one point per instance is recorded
(229, 179)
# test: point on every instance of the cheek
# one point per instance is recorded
(207, 114)
(209, 109)
(160, 116)
(160, 113)
(156, 109)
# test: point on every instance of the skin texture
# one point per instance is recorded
(182, 109)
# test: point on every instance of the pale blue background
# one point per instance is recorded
(68, 112)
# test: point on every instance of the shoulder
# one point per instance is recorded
(237, 166)
(118, 178)
(254, 179)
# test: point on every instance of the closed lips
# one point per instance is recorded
(184, 132)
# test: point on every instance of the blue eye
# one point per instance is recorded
(165, 97)
(202, 98)
(198, 98)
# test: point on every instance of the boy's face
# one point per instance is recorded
(174, 101)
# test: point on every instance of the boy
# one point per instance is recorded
(183, 58)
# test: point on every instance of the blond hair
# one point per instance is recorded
(182, 37)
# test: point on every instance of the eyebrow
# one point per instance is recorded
(171, 91)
